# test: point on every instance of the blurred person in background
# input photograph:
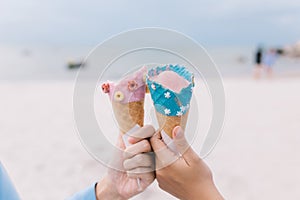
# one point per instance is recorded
(258, 69)
(269, 60)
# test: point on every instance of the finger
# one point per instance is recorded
(145, 132)
(182, 145)
(140, 160)
(164, 156)
(140, 172)
(137, 148)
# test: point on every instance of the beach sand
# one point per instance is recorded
(255, 158)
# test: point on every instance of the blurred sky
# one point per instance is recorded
(79, 22)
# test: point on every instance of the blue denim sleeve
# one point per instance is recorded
(7, 190)
(87, 194)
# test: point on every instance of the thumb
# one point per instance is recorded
(164, 156)
(182, 145)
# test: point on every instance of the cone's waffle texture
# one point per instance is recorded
(128, 115)
(168, 123)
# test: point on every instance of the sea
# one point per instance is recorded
(52, 62)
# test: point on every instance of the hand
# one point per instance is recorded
(185, 177)
(135, 163)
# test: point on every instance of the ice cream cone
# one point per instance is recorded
(128, 115)
(171, 93)
(127, 98)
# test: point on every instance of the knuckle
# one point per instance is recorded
(126, 153)
(150, 128)
(126, 164)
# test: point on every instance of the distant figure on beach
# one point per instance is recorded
(258, 63)
(269, 60)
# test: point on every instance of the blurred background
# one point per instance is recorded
(42, 44)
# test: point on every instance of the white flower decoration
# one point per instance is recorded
(153, 86)
(167, 95)
(167, 111)
(179, 113)
(187, 106)
(182, 108)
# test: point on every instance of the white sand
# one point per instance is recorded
(256, 158)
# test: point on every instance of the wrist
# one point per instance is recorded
(106, 190)
(208, 191)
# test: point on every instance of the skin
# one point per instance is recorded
(186, 177)
(136, 161)
(183, 175)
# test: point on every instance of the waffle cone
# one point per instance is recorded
(128, 115)
(168, 123)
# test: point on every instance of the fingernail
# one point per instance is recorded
(178, 133)
(130, 140)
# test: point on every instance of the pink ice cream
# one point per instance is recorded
(130, 89)
(171, 80)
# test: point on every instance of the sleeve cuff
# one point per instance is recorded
(86, 194)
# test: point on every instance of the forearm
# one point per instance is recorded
(209, 192)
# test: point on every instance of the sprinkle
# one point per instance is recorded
(119, 96)
(179, 113)
(167, 111)
(167, 95)
(153, 86)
